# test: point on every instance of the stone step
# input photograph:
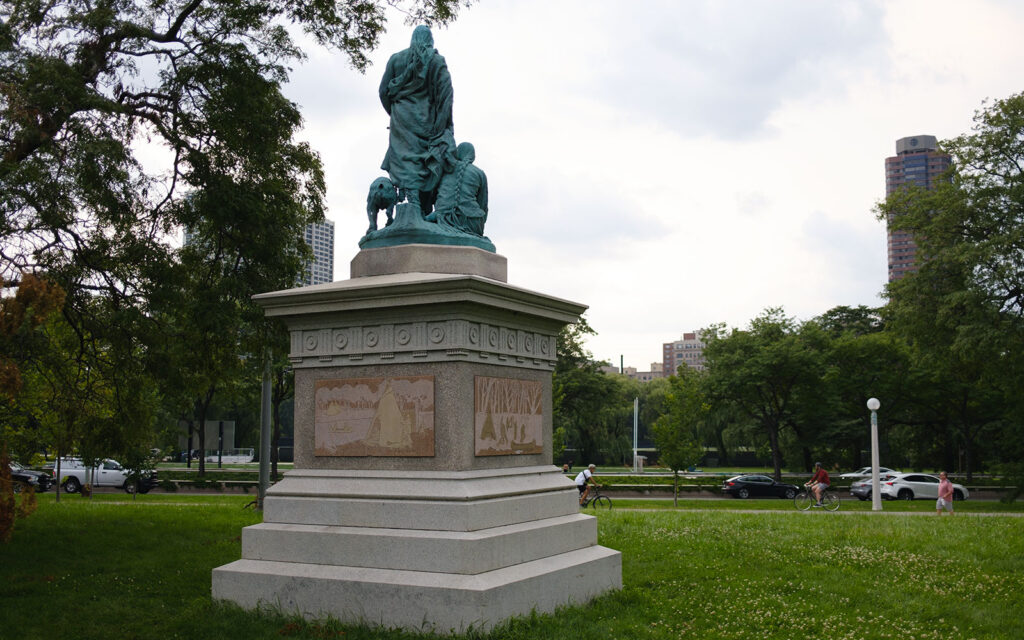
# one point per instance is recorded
(437, 515)
(420, 600)
(468, 553)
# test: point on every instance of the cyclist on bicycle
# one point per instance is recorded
(587, 475)
(818, 482)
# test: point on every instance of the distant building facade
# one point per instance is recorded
(688, 351)
(918, 162)
(320, 237)
(631, 372)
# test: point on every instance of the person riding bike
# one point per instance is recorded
(818, 482)
(584, 481)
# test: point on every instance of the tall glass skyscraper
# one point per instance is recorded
(319, 236)
(917, 161)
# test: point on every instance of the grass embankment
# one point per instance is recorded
(114, 567)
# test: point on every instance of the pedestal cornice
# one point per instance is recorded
(420, 317)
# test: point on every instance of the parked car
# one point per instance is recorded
(910, 486)
(109, 473)
(750, 486)
(23, 477)
(865, 472)
(862, 488)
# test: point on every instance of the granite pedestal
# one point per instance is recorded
(423, 495)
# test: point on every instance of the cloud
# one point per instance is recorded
(721, 68)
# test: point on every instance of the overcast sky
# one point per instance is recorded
(674, 164)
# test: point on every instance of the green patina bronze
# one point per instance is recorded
(410, 227)
(462, 195)
(422, 161)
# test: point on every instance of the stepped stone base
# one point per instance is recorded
(434, 551)
(462, 534)
(420, 600)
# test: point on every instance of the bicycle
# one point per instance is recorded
(597, 500)
(805, 500)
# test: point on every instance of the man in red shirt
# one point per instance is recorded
(819, 482)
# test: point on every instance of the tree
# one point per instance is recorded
(963, 310)
(33, 302)
(765, 372)
(85, 86)
(122, 123)
(22, 341)
(584, 398)
(860, 366)
(676, 432)
(282, 387)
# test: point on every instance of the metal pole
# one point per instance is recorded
(876, 491)
(220, 444)
(636, 411)
(264, 432)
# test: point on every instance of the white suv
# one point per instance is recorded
(908, 486)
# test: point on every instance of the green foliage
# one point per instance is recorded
(33, 302)
(770, 373)
(7, 505)
(558, 437)
(121, 124)
(678, 449)
(962, 310)
(677, 431)
(589, 405)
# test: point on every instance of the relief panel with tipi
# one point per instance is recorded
(391, 416)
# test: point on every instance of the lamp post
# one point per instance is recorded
(876, 491)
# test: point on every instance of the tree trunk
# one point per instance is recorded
(773, 440)
(675, 489)
(723, 455)
(202, 405)
(201, 441)
(969, 459)
(188, 447)
(57, 479)
(855, 454)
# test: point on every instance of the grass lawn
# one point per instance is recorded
(114, 567)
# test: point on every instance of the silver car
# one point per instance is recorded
(865, 472)
(910, 486)
(861, 489)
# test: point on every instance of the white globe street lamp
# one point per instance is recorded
(876, 491)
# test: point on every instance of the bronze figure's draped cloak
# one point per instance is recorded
(416, 91)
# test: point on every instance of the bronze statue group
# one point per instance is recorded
(425, 166)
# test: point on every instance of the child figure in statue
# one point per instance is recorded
(462, 195)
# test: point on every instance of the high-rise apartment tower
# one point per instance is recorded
(320, 237)
(917, 161)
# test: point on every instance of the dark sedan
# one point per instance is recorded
(23, 477)
(752, 486)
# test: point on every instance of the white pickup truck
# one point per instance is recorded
(74, 474)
